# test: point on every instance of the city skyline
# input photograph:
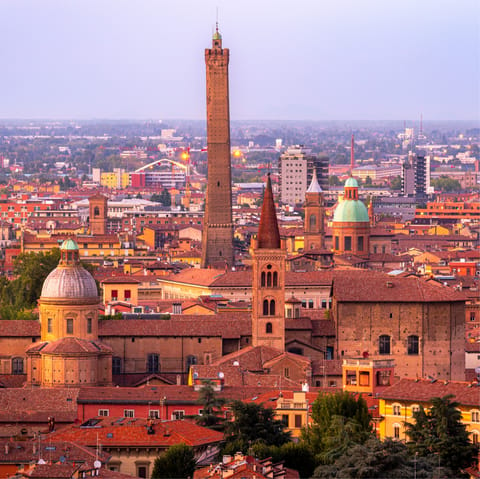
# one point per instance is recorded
(312, 61)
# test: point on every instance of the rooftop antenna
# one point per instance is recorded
(216, 22)
(352, 156)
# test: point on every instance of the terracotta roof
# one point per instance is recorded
(189, 325)
(52, 471)
(268, 234)
(20, 328)
(26, 450)
(36, 405)
(122, 280)
(132, 432)
(251, 358)
(75, 346)
(200, 276)
(371, 286)
(423, 390)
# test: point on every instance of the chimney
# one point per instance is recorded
(7, 449)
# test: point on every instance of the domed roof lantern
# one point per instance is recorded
(69, 253)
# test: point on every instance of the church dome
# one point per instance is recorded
(351, 211)
(69, 280)
(351, 182)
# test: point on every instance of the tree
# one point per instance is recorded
(440, 432)
(446, 184)
(296, 456)
(334, 181)
(178, 461)
(212, 413)
(377, 459)
(368, 181)
(253, 423)
(340, 421)
(396, 183)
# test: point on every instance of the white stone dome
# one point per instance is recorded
(69, 280)
(69, 283)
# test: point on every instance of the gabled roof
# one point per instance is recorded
(370, 286)
(423, 390)
(126, 432)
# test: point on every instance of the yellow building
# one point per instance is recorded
(398, 403)
(115, 179)
(120, 288)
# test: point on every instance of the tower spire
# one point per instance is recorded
(268, 233)
(352, 155)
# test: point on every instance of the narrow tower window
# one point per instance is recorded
(268, 328)
(263, 279)
(272, 307)
(265, 307)
(275, 279)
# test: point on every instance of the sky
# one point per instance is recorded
(289, 59)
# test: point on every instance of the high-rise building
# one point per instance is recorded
(296, 168)
(217, 240)
(416, 176)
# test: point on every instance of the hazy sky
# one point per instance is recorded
(296, 59)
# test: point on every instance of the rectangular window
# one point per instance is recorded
(360, 243)
(324, 304)
(128, 413)
(412, 346)
(89, 325)
(127, 295)
(472, 316)
(178, 415)
(285, 420)
(348, 243)
(114, 294)
(142, 472)
(337, 242)
(104, 412)
(310, 303)
(154, 414)
(396, 432)
(475, 416)
(298, 420)
(396, 410)
(69, 325)
(49, 325)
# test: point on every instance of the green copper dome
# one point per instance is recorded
(69, 245)
(351, 183)
(351, 211)
(217, 36)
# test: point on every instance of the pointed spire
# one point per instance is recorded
(314, 185)
(268, 234)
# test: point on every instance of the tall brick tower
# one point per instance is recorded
(98, 208)
(217, 240)
(314, 216)
(268, 289)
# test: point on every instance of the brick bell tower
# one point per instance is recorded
(268, 289)
(217, 240)
(98, 210)
(314, 216)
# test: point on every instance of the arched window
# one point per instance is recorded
(268, 328)
(272, 307)
(116, 365)
(17, 366)
(313, 221)
(384, 344)
(275, 279)
(191, 360)
(263, 279)
(396, 431)
(412, 345)
(475, 438)
(269, 279)
(96, 211)
(265, 307)
(152, 363)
